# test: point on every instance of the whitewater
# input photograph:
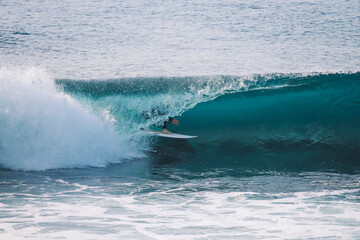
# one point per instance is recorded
(271, 89)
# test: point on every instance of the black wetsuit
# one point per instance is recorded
(166, 122)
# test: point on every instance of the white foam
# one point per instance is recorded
(42, 128)
(196, 215)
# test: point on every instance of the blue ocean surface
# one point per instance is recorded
(271, 89)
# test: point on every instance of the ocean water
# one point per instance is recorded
(272, 89)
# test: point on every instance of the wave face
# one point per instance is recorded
(287, 121)
(263, 122)
(307, 123)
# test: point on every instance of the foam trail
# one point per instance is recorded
(43, 129)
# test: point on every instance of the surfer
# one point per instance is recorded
(172, 121)
(158, 112)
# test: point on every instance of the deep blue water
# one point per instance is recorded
(271, 89)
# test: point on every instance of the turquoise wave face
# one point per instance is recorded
(313, 125)
(287, 121)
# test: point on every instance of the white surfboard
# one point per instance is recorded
(168, 135)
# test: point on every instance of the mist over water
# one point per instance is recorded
(270, 87)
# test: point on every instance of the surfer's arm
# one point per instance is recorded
(171, 120)
(174, 121)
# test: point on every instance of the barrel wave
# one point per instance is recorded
(264, 122)
(290, 122)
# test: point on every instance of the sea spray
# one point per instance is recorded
(42, 128)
